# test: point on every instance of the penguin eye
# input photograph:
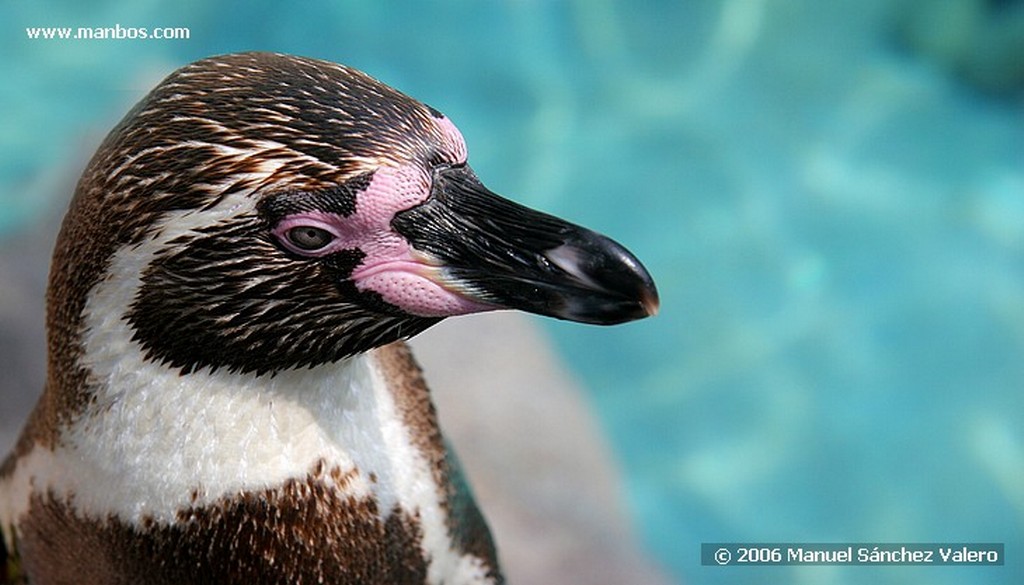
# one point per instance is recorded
(309, 238)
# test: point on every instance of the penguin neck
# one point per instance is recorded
(152, 443)
(130, 437)
(187, 439)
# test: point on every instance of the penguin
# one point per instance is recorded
(229, 397)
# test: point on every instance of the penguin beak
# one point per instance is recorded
(497, 252)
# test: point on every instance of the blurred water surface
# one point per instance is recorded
(829, 194)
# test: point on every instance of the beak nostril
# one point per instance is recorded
(568, 258)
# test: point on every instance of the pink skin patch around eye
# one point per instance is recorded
(403, 277)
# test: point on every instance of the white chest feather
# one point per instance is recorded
(155, 442)
(162, 441)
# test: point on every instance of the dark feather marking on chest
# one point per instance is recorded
(302, 532)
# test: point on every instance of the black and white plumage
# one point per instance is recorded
(228, 396)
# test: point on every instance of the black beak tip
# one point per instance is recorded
(605, 284)
(639, 303)
(635, 279)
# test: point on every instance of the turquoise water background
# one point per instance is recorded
(830, 196)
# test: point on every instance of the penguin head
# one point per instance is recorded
(267, 212)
